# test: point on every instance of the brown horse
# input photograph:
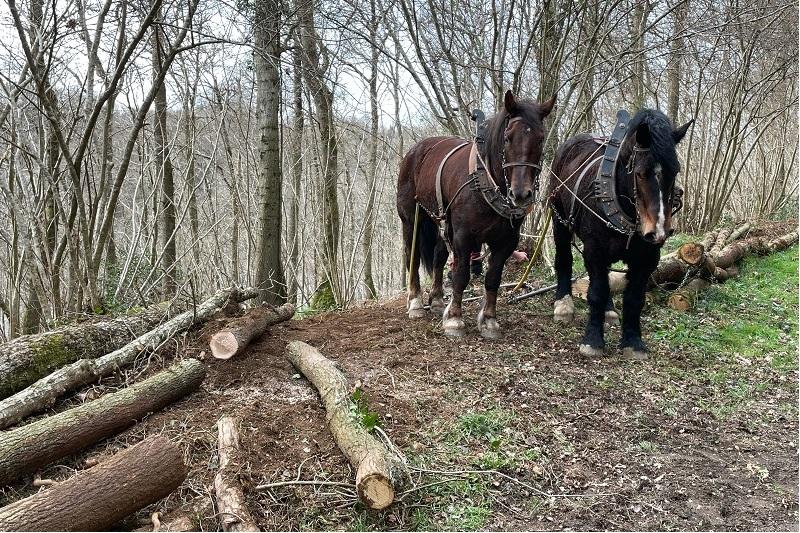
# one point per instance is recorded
(512, 154)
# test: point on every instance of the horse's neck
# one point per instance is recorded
(624, 181)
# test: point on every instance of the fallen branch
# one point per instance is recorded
(27, 448)
(97, 498)
(233, 512)
(238, 334)
(44, 393)
(379, 473)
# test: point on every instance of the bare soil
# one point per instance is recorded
(592, 444)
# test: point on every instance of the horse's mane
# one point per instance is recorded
(662, 144)
(527, 110)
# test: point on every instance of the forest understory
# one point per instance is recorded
(517, 434)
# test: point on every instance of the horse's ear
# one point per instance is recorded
(679, 133)
(510, 102)
(643, 137)
(547, 106)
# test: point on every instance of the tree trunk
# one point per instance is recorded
(99, 497)
(46, 391)
(237, 335)
(266, 58)
(676, 53)
(297, 175)
(316, 70)
(28, 358)
(372, 160)
(164, 165)
(27, 448)
(379, 473)
(233, 512)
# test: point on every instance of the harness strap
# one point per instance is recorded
(577, 188)
(442, 213)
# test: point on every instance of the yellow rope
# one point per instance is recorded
(536, 251)
(413, 245)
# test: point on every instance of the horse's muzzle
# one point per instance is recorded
(524, 198)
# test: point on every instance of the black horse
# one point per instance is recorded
(644, 179)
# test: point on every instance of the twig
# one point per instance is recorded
(156, 521)
(350, 486)
(39, 482)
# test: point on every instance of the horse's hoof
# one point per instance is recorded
(590, 351)
(416, 313)
(415, 308)
(612, 318)
(564, 309)
(634, 355)
(489, 329)
(437, 306)
(453, 327)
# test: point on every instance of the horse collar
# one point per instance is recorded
(605, 186)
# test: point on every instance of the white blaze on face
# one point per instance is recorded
(660, 233)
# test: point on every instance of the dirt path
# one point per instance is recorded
(628, 443)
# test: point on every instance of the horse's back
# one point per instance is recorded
(419, 166)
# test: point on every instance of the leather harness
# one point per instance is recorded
(480, 180)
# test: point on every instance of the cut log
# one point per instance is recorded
(782, 243)
(237, 335)
(738, 232)
(708, 240)
(379, 473)
(684, 298)
(616, 283)
(97, 498)
(44, 393)
(691, 253)
(233, 512)
(25, 359)
(27, 448)
(721, 240)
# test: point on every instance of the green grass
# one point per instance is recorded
(741, 335)
(752, 316)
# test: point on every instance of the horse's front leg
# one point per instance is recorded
(452, 321)
(593, 342)
(633, 347)
(488, 326)
(440, 256)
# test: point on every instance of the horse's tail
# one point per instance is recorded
(428, 235)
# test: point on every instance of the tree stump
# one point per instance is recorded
(97, 498)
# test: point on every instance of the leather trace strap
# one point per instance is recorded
(605, 186)
(440, 217)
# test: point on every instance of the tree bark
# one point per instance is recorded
(99, 497)
(240, 332)
(233, 512)
(28, 358)
(372, 160)
(164, 164)
(316, 63)
(266, 58)
(46, 391)
(379, 473)
(685, 298)
(27, 448)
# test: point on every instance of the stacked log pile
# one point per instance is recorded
(697, 265)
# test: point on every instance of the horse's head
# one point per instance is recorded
(520, 128)
(653, 162)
